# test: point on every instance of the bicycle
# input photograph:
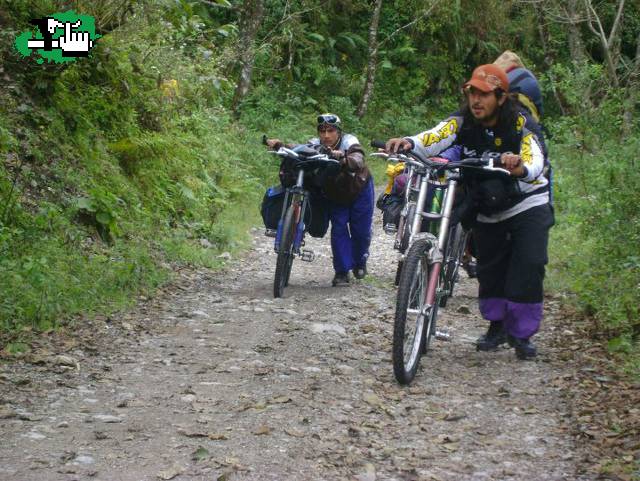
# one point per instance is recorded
(430, 264)
(289, 236)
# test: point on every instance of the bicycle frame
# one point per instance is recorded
(436, 254)
(296, 195)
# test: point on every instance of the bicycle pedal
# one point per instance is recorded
(270, 232)
(442, 335)
(307, 256)
(390, 229)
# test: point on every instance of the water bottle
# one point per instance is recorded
(436, 205)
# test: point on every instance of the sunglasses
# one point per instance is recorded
(328, 119)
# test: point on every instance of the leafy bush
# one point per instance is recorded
(598, 203)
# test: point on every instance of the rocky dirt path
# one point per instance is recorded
(216, 380)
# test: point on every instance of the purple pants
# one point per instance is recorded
(351, 231)
(512, 255)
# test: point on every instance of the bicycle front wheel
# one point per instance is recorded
(412, 325)
(284, 262)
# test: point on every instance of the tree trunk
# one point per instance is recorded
(373, 60)
(543, 31)
(631, 97)
(251, 16)
(576, 45)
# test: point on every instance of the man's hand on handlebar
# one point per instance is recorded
(338, 155)
(513, 163)
(398, 145)
(274, 144)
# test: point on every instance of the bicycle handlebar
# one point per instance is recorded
(304, 161)
(381, 144)
(487, 162)
(484, 163)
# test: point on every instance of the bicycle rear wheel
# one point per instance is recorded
(412, 325)
(284, 261)
(456, 244)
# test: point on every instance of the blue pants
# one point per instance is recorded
(351, 231)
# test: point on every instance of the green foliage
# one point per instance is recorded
(118, 170)
(595, 242)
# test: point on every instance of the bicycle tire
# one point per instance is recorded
(430, 331)
(396, 281)
(456, 243)
(408, 343)
(284, 261)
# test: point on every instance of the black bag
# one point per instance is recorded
(271, 208)
(494, 195)
(288, 172)
(317, 216)
(391, 207)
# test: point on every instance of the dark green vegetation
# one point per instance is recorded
(112, 167)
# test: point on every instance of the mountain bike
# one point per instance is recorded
(430, 264)
(289, 236)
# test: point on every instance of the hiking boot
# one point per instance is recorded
(494, 336)
(340, 279)
(525, 350)
(471, 269)
(360, 272)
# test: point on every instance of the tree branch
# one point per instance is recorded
(616, 25)
(286, 17)
(590, 14)
(411, 23)
(218, 5)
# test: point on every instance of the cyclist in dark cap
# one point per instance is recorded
(350, 195)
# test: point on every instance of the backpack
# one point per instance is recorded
(391, 207)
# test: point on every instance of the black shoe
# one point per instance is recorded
(471, 269)
(525, 350)
(360, 272)
(340, 279)
(495, 336)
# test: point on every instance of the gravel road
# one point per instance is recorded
(215, 380)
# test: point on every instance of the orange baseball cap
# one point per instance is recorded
(488, 78)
